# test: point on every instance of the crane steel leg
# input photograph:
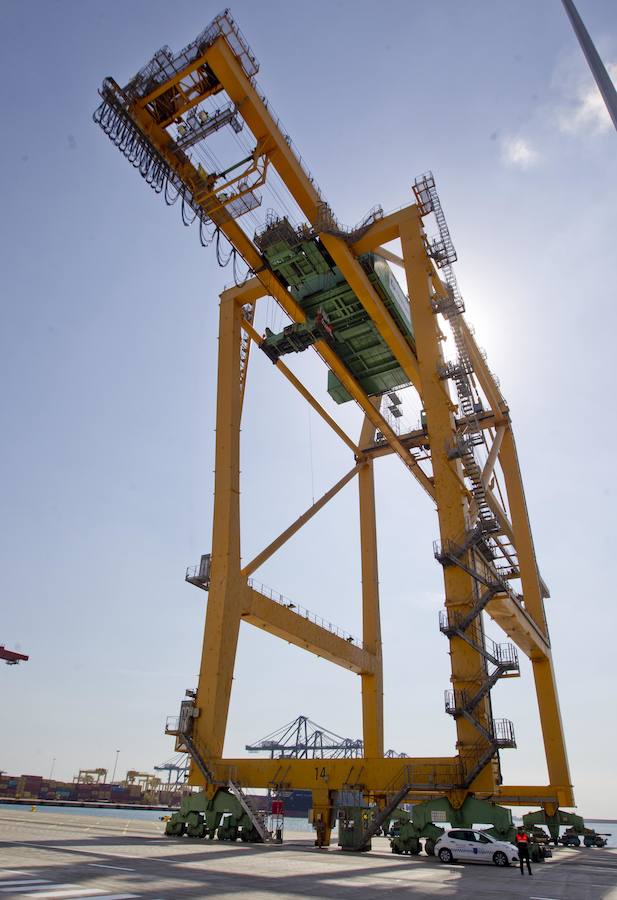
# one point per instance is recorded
(372, 683)
(544, 676)
(227, 587)
(467, 663)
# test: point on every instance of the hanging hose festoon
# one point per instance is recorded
(122, 131)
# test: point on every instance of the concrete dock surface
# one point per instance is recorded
(53, 856)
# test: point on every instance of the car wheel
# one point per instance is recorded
(500, 858)
(445, 855)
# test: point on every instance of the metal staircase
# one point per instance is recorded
(414, 777)
(476, 756)
(256, 817)
(248, 310)
(481, 566)
(380, 817)
(481, 551)
(469, 432)
(499, 661)
(184, 728)
(196, 756)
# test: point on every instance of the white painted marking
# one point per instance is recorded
(65, 891)
(103, 866)
(544, 898)
(27, 881)
(78, 852)
(32, 844)
(111, 896)
(33, 885)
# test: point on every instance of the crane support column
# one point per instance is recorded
(372, 683)
(468, 665)
(227, 587)
(543, 672)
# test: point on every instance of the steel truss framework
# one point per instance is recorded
(485, 544)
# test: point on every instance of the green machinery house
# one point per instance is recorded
(333, 311)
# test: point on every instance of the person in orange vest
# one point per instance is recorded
(522, 844)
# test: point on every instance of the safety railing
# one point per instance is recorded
(302, 611)
(287, 137)
(172, 725)
(422, 777)
(454, 701)
(165, 64)
(447, 551)
(503, 733)
(504, 655)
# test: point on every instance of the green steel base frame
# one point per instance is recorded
(221, 817)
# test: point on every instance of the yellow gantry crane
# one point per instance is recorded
(341, 299)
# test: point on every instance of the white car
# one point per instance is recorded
(476, 846)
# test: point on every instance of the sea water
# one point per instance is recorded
(291, 824)
(149, 815)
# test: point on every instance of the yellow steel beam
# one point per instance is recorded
(467, 663)
(544, 676)
(372, 683)
(519, 626)
(383, 230)
(295, 628)
(552, 726)
(278, 542)
(289, 375)
(389, 256)
(524, 795)
(418, 438)
(252, 290)
(368, 775)
(493, 454)
(276, 290)
(226, 585)
(502, 517)
(174, 81)
(522, 530)
(358, 280)
(240, 89)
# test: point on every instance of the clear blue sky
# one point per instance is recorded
(108, 362)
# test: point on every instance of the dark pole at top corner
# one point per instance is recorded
(598, 69)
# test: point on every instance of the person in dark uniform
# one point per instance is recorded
(522, 844)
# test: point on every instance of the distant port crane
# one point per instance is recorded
(11, 657)
(304, 739)
(197, 127)
(176, 768)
